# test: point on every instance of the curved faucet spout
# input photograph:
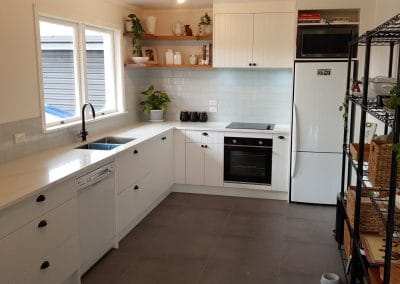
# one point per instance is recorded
(84, 132)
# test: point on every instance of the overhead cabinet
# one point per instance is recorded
(264, 40)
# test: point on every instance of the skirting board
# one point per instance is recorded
(227, 191)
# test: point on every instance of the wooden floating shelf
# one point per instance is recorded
(328, 24)
(132, 65)
(171, 37)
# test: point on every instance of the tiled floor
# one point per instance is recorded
(206, 239)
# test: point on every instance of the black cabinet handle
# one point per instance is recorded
(40, 198)
(42, 224)
(164, 138)
(281, 137)
(250, 64)
(45, 265)
(254, 64)
(136, 187)
(205, 134)
(135, 151)
(202, 146)
(205, 146)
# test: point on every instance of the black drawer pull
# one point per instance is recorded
(135, 151)
(202, 146)
(136, 187)
(40, 198)
(254, 64)
(281, 137)
(205, 134)
(42, 224)
(205, 146)
(164, 138)
(45, 265)
(249, 64)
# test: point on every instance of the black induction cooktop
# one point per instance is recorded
(247, 125)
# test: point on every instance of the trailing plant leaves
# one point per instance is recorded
(138, 32)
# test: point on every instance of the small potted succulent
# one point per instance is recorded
(205, 27)
(155, 104)
(138, 31)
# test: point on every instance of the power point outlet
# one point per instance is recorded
(19, 138)
(212, 109)
(212, 102)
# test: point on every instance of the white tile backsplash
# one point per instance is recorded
(243, 95)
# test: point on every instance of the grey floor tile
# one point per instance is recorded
(312, 212)
(200, 201)
(312, 259)
(306, 230)
(260, 206)
(233, 274)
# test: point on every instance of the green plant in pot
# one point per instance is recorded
(155, 104)
(138, 31)
(205, 25)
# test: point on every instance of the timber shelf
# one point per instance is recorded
(132, 65)
(172, 37)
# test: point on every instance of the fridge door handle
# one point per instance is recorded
(294, 141)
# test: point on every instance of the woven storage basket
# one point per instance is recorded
(370, 221)
(354, 151)
(380, 160)
(347, 241)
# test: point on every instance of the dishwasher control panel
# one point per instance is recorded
(95, 176)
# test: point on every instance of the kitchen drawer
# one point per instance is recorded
(31, 243)
(205, 137)
(25, 211)
(132, 165)
(62, 262)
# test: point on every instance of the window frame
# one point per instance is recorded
(81, 70)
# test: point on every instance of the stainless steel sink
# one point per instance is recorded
(114, 140)
(98, 146)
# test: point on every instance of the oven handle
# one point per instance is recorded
(248, 146)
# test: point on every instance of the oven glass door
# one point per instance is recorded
(247, 164)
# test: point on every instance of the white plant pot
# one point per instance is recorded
(156, 115)
(128, 25)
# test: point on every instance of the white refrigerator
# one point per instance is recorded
(317, 131)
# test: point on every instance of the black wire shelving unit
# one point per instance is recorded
(387, 34)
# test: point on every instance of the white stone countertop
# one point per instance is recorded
(23, 178)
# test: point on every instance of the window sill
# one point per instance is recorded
(79, 122)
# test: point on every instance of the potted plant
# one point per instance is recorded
(205, 25)
(155, 104)
(138, 31)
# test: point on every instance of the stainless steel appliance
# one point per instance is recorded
(247, 160)
(325, 41)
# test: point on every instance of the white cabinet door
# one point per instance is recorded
(233, 40)
(280, 163)
(162, 155)
(179, 156)
(194, 163)
(274, 40)
(131, 165)
(214, 165)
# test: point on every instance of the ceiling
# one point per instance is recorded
(171, 4)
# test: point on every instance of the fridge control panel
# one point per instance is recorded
(323, 72)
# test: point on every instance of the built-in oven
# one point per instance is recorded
(247, 160)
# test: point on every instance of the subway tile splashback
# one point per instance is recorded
(243, 95)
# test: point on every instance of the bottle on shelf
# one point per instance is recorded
(177, 58)
(169, 57)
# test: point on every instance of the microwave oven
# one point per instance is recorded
(327, 41)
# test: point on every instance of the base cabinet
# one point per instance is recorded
(280, 163)
(204, 158)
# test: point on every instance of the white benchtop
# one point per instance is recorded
(23, 178)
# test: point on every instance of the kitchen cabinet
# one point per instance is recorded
(254, 40)
(280, 163)
(154, 176)
(180, 156)
(204, 158)
(46, 248)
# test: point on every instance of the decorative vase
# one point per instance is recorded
(193, 59)
(188, 30)
(156, 115)
(151, 25)
(177, 28)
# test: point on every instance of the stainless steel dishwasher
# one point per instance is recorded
(96, 205)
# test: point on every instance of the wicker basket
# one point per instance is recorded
(370, 221)
(347, 241)
(354, 151)
(380, 160)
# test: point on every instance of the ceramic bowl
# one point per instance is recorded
(140, 60)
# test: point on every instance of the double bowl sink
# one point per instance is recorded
(106, 143)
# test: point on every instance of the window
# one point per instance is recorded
(78, 66)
